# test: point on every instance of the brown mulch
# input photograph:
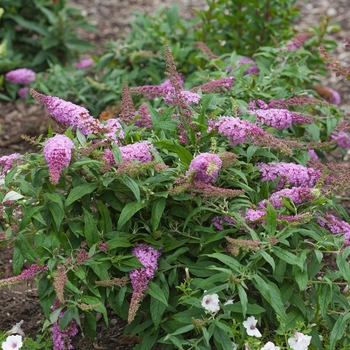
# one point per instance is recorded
(111, 18)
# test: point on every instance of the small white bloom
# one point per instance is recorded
(229, 302)
(270, 346)
(250, 325)
(234, 346)
(211, 302)
(13, 342)
(300, 341)
(16, 329)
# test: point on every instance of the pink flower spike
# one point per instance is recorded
(22, 76)
(250, 326)
(88, 62)
(6, 162)
(58, 153)
(69, 114)
(148, 257)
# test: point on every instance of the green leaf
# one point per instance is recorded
(271, 294)
(157, 293)
(157, 212)
(243, 299)
(268, 258)
(157, 310)
(271, 219)
(132, 185)
(182, 152)
(28, 216)
(80, 191)
(67, 317)
(228, 261)
(49, 41)
(90, 229)
(34, 26)
(182, 330)
(339, 329)
(288, 257)
(106, 224)
(301, 277)
(26, 249)
(90, 324)
(252, 309)
(54, 197)
(57, 213)
(18, 259)
(128, 211)
(222, 340)
(343, 264)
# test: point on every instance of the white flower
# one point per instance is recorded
(270, 346)
(13, 342)
(234, 346)
(16, 329)
(300, 341)
(211, 302)
(249, 324)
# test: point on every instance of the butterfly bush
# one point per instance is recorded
(166, 213)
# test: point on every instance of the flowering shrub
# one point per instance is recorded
(197, 229)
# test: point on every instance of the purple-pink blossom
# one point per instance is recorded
(88, 62)
(137, 151)
(253, 69)
(58, 153)
(298, 195)
(218, 85)
(342, 138)
(313, 155)
(62, 339)
(235, 129)
(207, 167)
(22, 76)
(22, 93)
(334, 97)
(145, 120)
(173, 99)
(6, 162)
(148, 257)
(69, 114)
(335, 226)
(279, 118)
(115, 130)
(240, 131)
(293, 174)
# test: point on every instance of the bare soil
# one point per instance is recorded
(111, 17)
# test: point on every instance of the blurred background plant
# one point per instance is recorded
(196, 47)
(35, 33)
